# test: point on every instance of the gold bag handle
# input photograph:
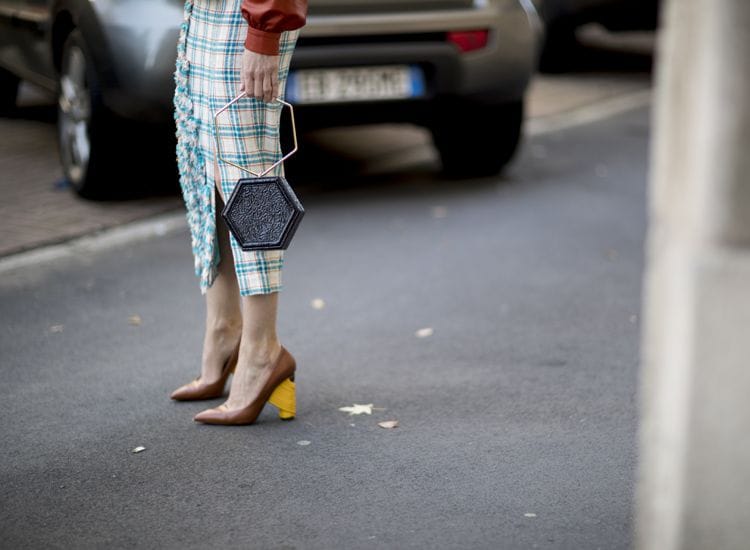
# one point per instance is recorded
(275, 164)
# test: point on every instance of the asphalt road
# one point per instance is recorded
(517, 415)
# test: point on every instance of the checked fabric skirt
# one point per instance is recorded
(207, 77)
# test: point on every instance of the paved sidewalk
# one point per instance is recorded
(38, 209)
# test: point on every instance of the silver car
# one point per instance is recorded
(458, 67)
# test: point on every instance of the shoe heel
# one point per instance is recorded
(284, 399)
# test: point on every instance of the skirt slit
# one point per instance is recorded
(207, 77)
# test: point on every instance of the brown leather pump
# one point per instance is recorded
(278, 390)
(194, 392)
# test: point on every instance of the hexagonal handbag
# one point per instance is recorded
(262, 213)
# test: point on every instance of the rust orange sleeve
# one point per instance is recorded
(267, 19)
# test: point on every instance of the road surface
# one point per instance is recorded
(517, 415)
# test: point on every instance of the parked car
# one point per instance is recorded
(563, 17)
(454, 66)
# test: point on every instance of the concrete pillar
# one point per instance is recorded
(694, 474)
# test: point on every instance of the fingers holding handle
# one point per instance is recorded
(260, 75)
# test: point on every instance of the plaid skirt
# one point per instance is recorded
(207, 77)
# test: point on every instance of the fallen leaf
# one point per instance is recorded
(318, 303)
(357, 409)
(138, 449)
(388, 424)
(135, 320)
(424, 332)
(303, 442)
(56, 328)
(439, 211)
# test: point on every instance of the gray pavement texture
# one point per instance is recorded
(522, 402)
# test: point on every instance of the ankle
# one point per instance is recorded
(261, 351)
(224, 328)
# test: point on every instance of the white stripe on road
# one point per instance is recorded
(169, 223)
(606, 108)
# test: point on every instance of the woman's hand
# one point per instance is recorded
(260, 75)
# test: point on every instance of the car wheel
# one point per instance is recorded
(477, 140)
(82, 122)
(8, 91)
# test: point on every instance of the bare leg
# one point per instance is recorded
(259, 350)
(223, 315)
(226, 313)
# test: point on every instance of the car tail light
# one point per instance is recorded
(468, 41)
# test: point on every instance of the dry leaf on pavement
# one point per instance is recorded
(357, 409)
(439, 211)
(135, 320)
(388, 424)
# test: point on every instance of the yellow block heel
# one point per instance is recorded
(284, 399)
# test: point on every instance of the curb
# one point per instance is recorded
(157, 226)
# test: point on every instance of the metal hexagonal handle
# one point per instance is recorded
(275, 164)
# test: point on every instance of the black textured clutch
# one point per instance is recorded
(262, 212)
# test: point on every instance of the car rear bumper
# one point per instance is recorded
(498, 72)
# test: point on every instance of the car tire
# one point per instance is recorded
(85, 128)
(477, 140)
(9, 84)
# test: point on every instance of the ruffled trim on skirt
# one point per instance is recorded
(196, 190)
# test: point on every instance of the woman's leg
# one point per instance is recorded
(256, 314)
(223, 315)
(259, 349)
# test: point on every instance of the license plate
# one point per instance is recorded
(355, 84)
